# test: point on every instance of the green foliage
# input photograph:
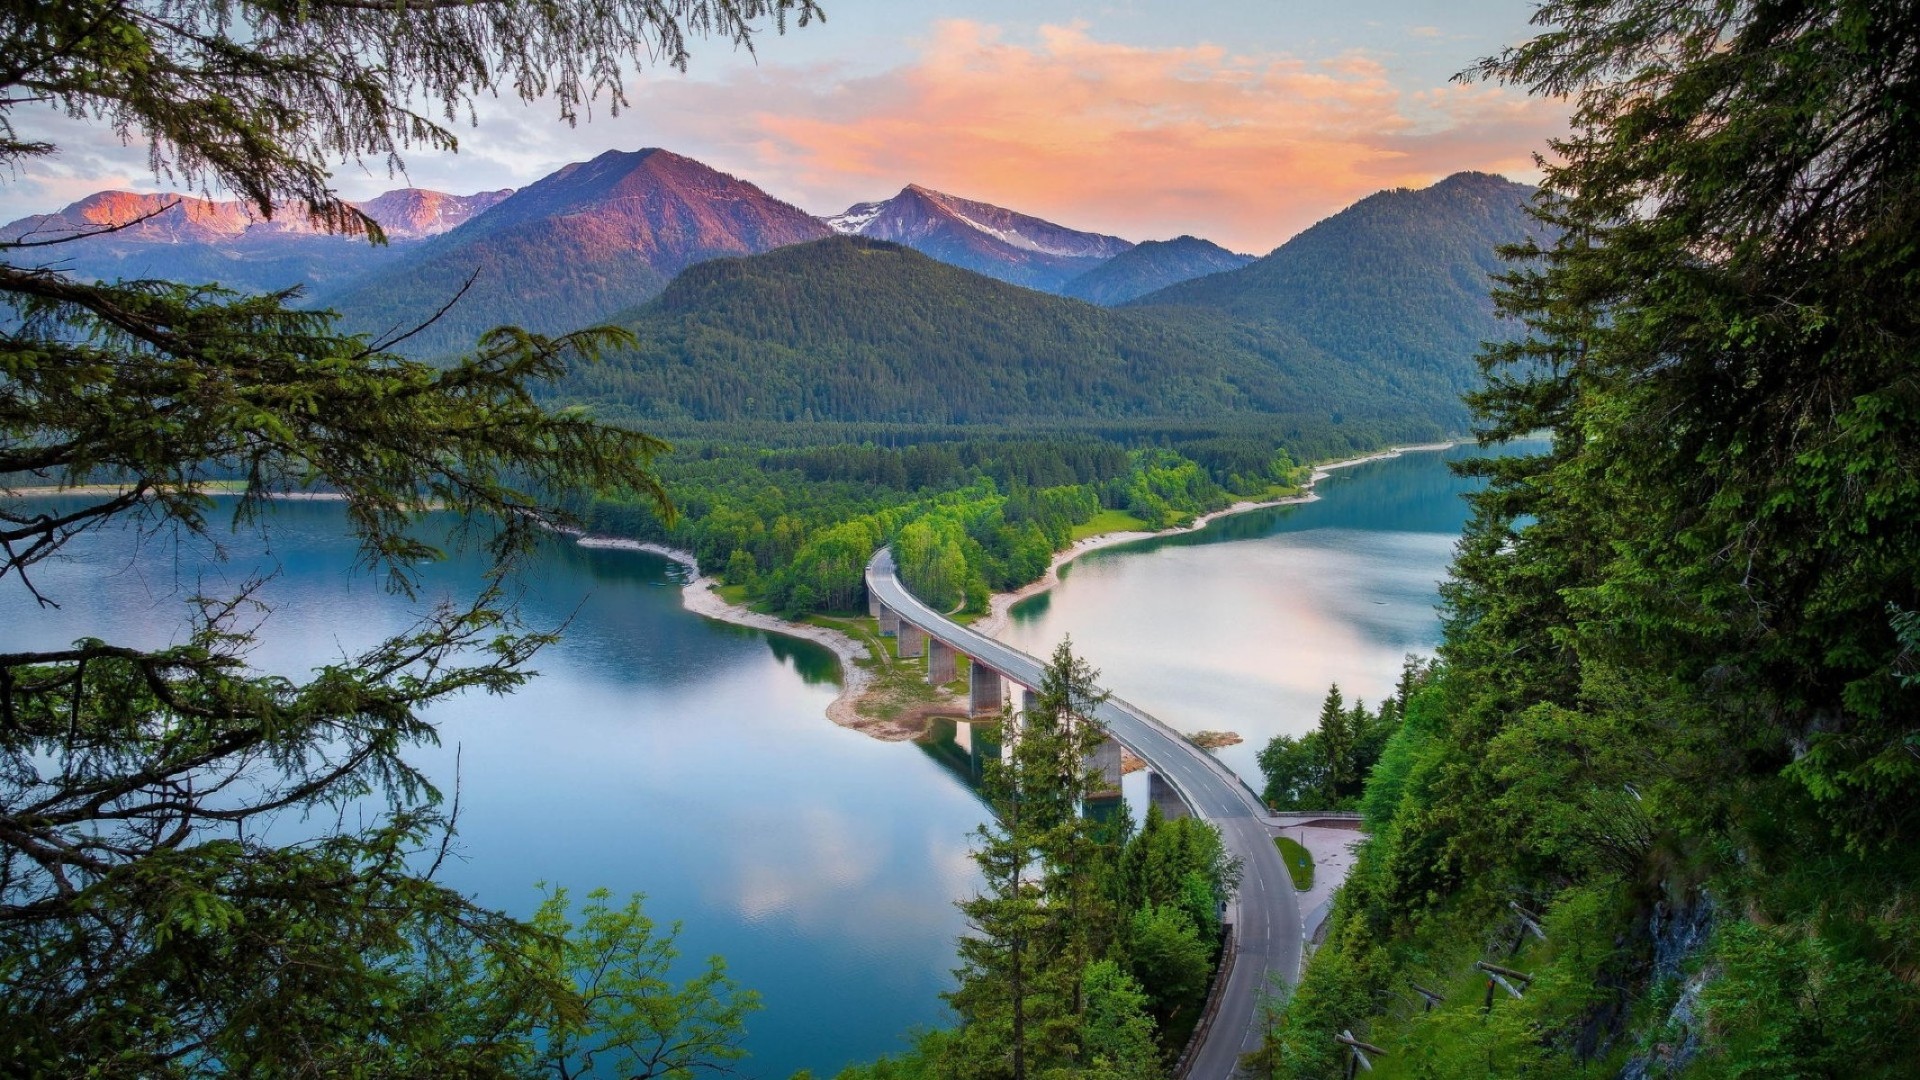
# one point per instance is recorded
(630, 1017)
(183, 890)
(1169, 956)
(1326, 768)
(1083, 936)
(1675, 663)
(1118, 1033)
(965, 518)
(1020, 997)
(1786, 1002)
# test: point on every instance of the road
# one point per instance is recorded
(1265, 913)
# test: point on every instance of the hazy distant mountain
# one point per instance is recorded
(858, 331)
(574, 247)
(987, 239)
(1154, 264)
(405, 214)
(227, 241)
(1399, 278)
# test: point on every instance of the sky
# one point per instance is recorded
(1242, 121)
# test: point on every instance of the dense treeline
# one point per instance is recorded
(1414, 269)
(850, 330)
(795, 527)
(1091, 946)
(1327, 768)
(1675, 723)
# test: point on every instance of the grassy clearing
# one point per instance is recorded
(862, 629)
(1299, 861)
(899, 686)
(1107, 521)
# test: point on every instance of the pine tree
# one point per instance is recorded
(1021, 995)
(150, 922)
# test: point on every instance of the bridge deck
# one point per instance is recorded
(1265, 913)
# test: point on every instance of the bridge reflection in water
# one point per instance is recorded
(1266, 935)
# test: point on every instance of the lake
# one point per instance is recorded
(657, 752)
(662, 753)
(1241, 626)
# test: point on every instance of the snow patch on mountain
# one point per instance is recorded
(854, 220)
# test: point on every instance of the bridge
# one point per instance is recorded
(1266, 941)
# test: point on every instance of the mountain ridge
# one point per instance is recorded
(570, 249)
(1415, 268)
(854, 330)
(1150, 266)
(403, 214)
(199, 241)
(1004, 244)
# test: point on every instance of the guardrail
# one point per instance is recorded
(1221, 975)
(1219, 767)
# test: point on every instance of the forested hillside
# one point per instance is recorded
(793, 528)
(852, 330)
(1401, 277)
(1151, 266)
(1666, 776)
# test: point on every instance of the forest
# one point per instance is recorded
(1091, 945)
(793, 528)
(1652, 812)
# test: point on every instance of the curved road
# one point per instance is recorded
(1265, 913)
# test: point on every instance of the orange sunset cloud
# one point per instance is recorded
(1145, 142)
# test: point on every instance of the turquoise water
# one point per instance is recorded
(657, 752)
(662, 753)
(1242, 626)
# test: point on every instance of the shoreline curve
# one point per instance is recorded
(699, 595)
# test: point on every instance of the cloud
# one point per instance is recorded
(1244, 147)
(1147, 142)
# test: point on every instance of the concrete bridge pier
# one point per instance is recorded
(986, 691)
(1162, 794)
(889, 621)
(1105, 763)
(940, 669)
(873, 604)
(912, 640)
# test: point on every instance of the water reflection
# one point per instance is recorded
(962, 747)
(656, 752)
(1242, 625)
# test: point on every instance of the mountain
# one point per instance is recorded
(1400, 277)
(1152, 265)
(981, 237)
(570, 249)
(182, 238)
(415, 213)
(853, 330)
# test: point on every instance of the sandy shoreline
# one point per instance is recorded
(1002, 603)
(699, 595)
(700, 598)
